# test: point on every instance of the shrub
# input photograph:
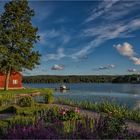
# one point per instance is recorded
(7, 99)
(48, 98)
(3, 128)
(10, 109)
(106, 107)
(86, 128)
(0, 101)
(109, 126)
(71, 114)
(21, 120)
(26, 101)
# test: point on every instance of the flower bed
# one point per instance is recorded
(60, 123)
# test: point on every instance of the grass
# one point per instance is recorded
(25, 91)
(64, 123)
(106, 107)
(43, 122)
(10, 97)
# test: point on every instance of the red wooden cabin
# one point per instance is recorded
(15, 80)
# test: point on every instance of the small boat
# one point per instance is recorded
(62, 87)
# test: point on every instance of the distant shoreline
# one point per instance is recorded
(134, 79)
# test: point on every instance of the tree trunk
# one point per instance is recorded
(7, 79)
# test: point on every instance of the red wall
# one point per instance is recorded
(14, 76)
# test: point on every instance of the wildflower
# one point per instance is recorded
(63, 113)
(24, 129)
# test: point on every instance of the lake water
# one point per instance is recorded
(124, 94)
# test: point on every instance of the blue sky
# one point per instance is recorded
(87, 37)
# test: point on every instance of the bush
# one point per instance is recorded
(0, 101)
(21, 120)
(109, 126)
(26, 102)
(105, 127)
(48, 98)
(10, 109)
(71, 114)
(7, 99)
(3, 128)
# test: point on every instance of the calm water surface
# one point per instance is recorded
(124, 94)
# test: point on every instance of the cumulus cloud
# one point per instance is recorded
(135, 60)
(127, 50)
(132, 70)
(106, 67)
(114, 24)
(57, 67)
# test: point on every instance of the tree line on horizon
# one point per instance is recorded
(82, 79)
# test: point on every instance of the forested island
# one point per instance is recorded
(82, 79)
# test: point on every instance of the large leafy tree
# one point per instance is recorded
(17, 39)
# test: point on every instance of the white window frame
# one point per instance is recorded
(15, 82)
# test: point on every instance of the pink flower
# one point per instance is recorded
(63, 113)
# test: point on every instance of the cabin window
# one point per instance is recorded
(15, 82)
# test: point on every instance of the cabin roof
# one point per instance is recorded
(12, 73)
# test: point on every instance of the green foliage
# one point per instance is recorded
(48, 98)
(68, 79)
(1, 101)
(81, 79)
(10, 109)
(71, 114)
(3, 127)
(106, 107)
(17, 38)
(7, 99)
(11, 93)
(72, 125)
(111, 126)
(26, 101)
(21, 120)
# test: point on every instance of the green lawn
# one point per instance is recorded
(26, 91)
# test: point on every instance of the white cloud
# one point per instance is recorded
(132, 70)
(109, 66)
(111, 26)
(106, 67)
(59, 35)
(103, 33)
(54, 56)
(113, 9)
(100, 33)
(103, 7)
(37, 71)
(57, 67)
(135, 60)
(126, 49)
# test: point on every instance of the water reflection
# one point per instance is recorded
(124, 94)
(60, 90)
